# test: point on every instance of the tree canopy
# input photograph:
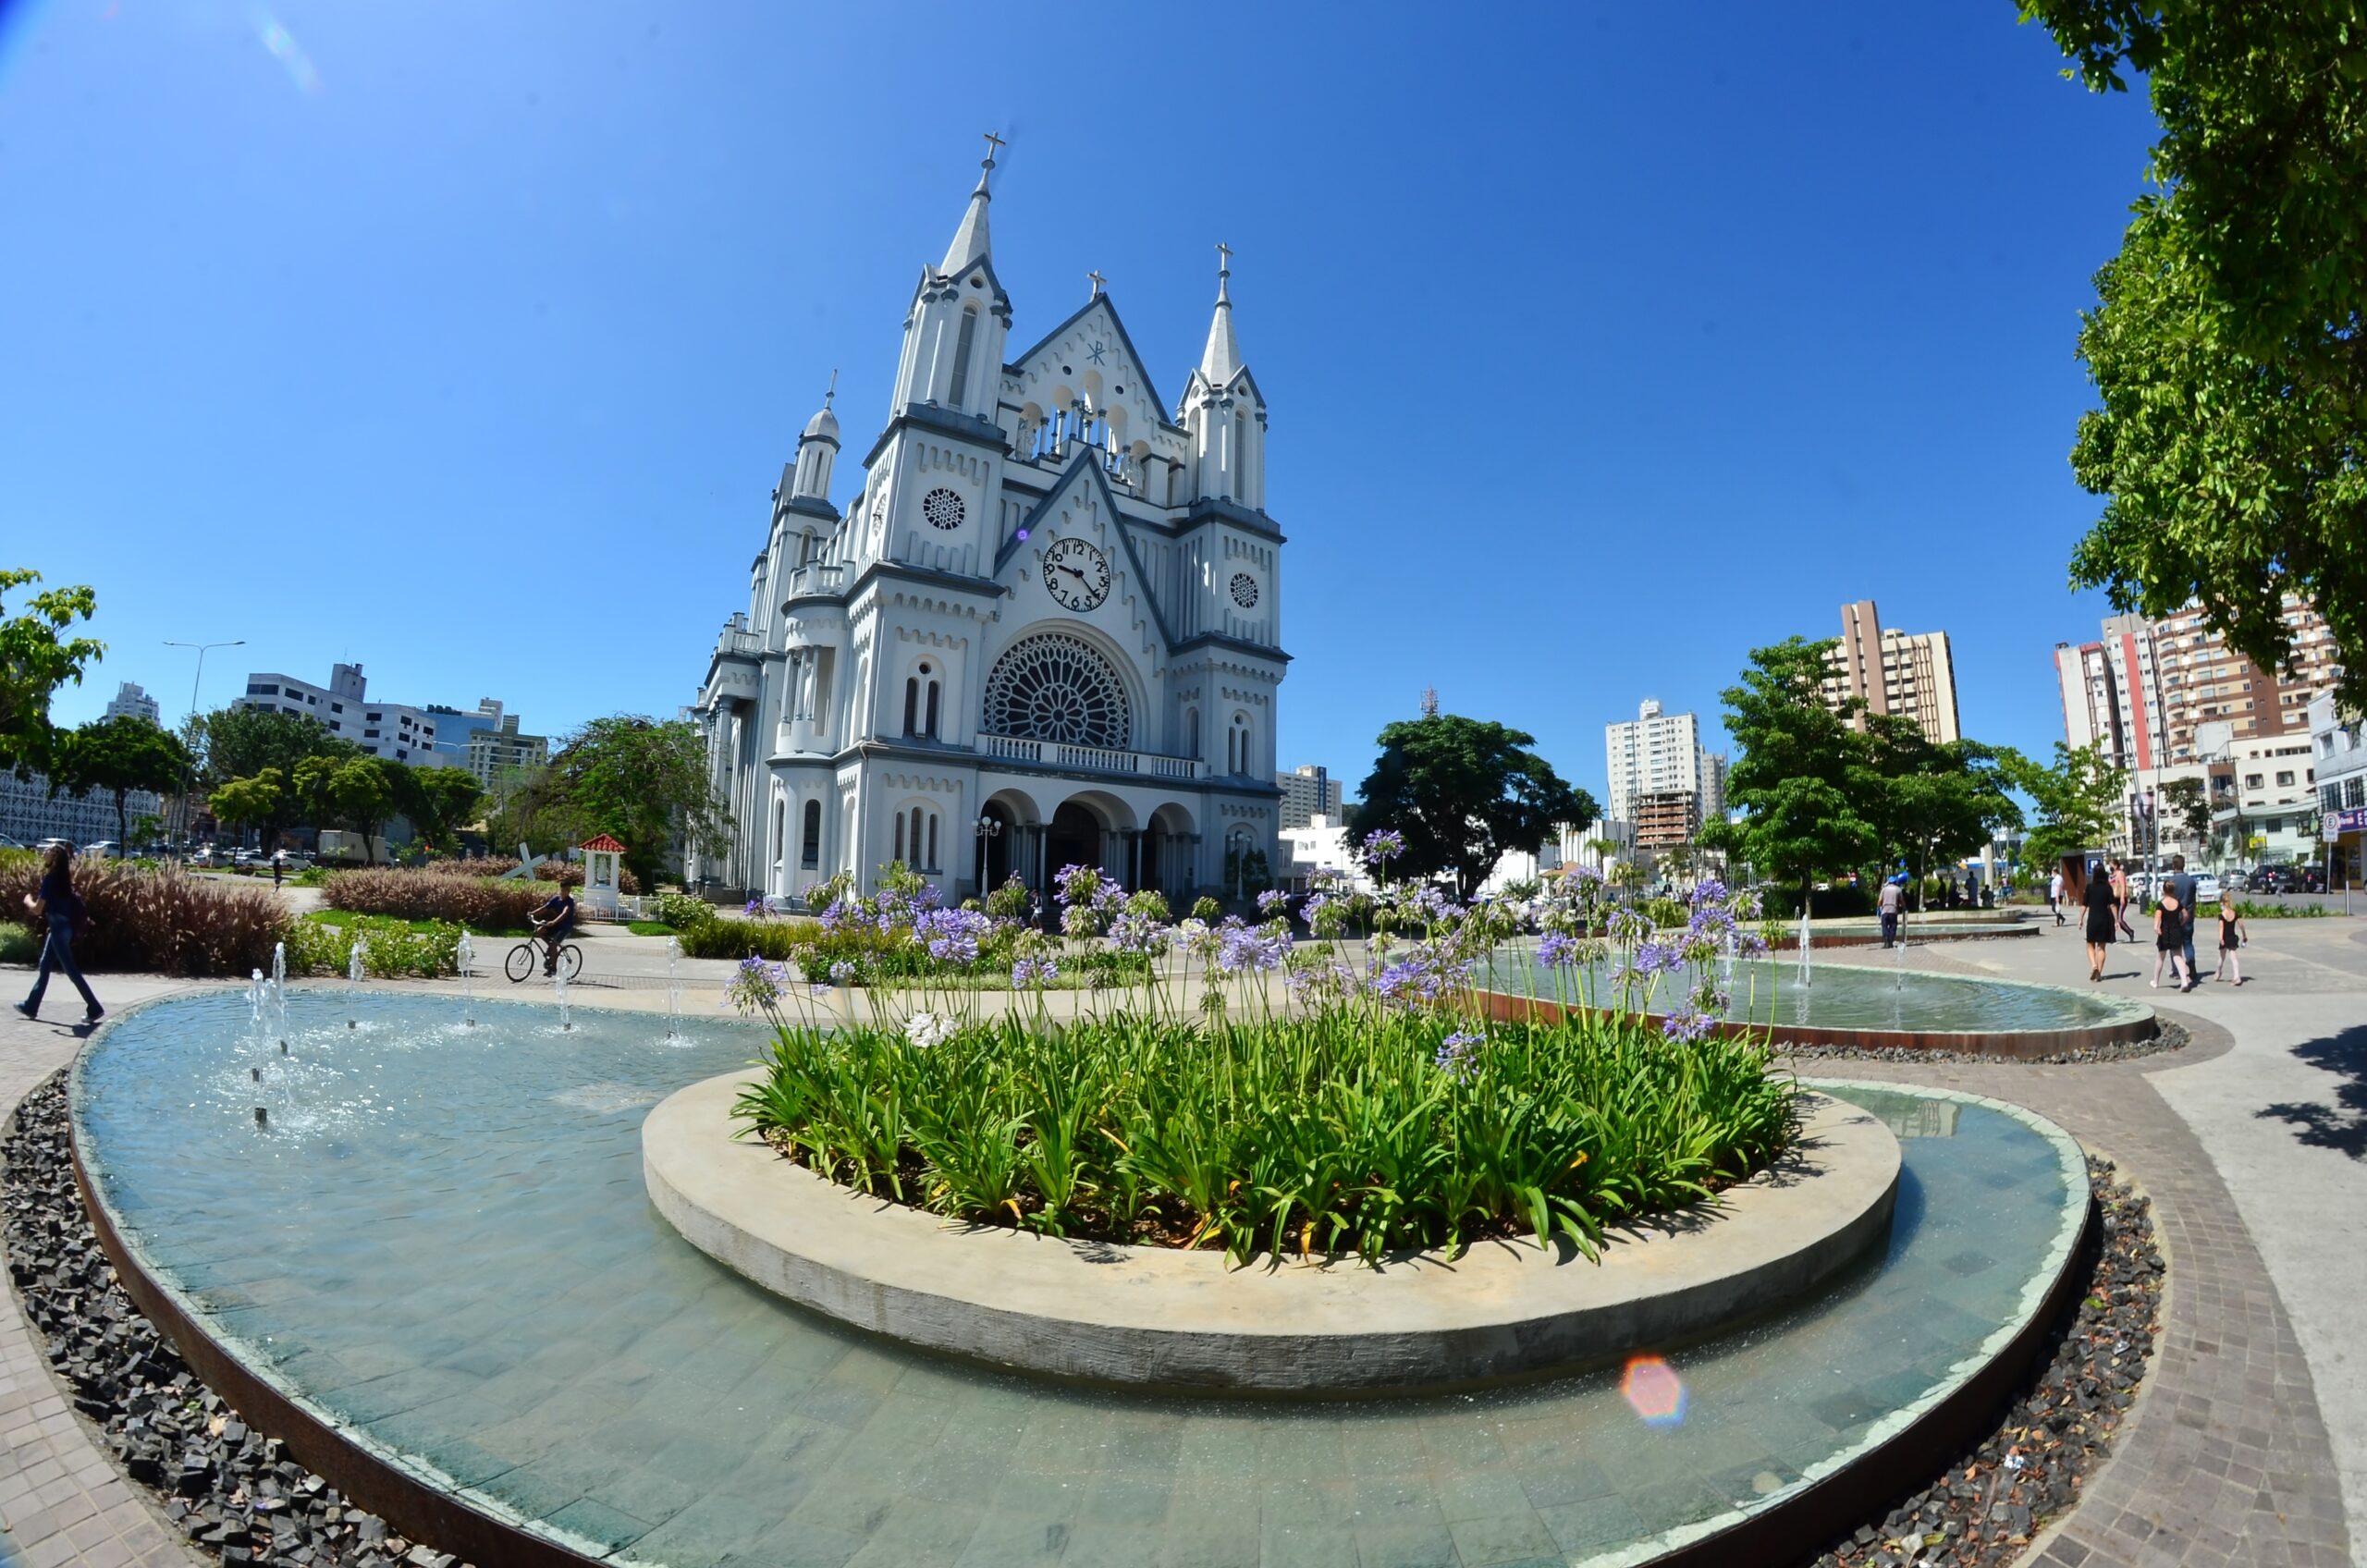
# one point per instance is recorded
(115, 756)
(237, 742)
(643, 779)
(1932, 802)
(1463, 791)
(2082, 799)
(1798, 780)
(2224, 344)
(36, 659)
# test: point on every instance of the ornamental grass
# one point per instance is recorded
(481, 903)
(157, 919)
(1378, 1108)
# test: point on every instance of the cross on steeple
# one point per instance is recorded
(1224, 259)
(994, 144)
(832, 391)
(1097, 280)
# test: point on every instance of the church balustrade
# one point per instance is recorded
(823, 577)
(1089, 759)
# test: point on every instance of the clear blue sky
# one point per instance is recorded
(1603, 344)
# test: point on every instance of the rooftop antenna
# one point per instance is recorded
(1430, 702)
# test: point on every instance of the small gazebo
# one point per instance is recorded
(603, 859)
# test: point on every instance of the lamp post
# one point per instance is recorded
(189, 761)
(987, 829)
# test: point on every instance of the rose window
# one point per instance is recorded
(943, 509)
(1055, 687)
(1244, 590)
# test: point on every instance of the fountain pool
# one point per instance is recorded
(1886, 1005)
(440, 1250)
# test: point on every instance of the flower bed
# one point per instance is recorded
(1384, 1112)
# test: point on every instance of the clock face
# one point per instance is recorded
(1244, 590)
(1076, 574)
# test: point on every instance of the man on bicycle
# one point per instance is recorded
(554, 922)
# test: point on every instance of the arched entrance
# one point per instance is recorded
(1075, 838)
(1167, 852)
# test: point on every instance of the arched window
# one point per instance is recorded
(810, 853)
(1192, 732)
(1233, 751)
(807, 546)
(781, 830)
(912, 703)
(1054, 687)
(961, 353)
(933, 709)
(932, 840)
(1238, 748)
(899, 838)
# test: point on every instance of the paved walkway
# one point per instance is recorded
(2252, 1144)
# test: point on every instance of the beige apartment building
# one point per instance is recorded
(2205, 681)
(1912, 674)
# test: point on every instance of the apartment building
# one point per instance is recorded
(130, 701)
(395, 731)
(2204, 681)
(1308, 792)
(1912, 674)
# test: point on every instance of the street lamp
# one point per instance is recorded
(989, 828)
(189, 760)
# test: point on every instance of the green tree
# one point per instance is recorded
(437, 800)
(2081, 801)
(260, 801)
(643, 779)
(240, 742)
(118, 755)
(2224, 345)
(1930, 803)
(35, 660)
(2183, 808)
(1796, 782)
(361, 796)
(1463, 791)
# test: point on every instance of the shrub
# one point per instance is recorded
(684, 913)
(1342, 1132)
(556, 872)
(481, 903)
(391, 949)
(159, 919)
(729, 937)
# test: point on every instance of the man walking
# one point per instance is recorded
(1891, 899)
(2182, 886)
(2055, 895)
(2121, 901)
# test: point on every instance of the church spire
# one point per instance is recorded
(970, 240)
(1222, 360)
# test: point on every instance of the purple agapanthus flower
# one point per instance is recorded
(1687, 1024)
(1458, 1053)
(1557, 950)
(1274, 900)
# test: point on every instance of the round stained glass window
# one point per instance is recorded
(1056, 688)
(1244, 590)
(943, 509)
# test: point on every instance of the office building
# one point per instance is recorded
(1655, 756)
(395, 731)
(2339, 757)
(1309, 792)
(130, 701)
(29, 812)
(1911, 674)
(494, 753)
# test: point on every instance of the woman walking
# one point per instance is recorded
(2097, 900)
(2232, 935)
(61, 906)
(2120, 901)
(2169, 938)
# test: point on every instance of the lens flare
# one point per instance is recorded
(1654, 1391)
(287, 52)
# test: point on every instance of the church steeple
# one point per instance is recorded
(817, 450)
(1220, 361)
(954, 330)
(970, 240)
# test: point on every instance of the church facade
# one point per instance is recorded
(1045, 629)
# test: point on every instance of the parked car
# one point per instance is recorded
(2276, 879)
(8, 843)
(2236, 881)
(2207, 889)
(105, 849)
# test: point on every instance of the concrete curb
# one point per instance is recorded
(1186, 1320)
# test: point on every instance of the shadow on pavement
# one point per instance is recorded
(2343, 1125)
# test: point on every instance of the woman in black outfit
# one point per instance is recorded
(62, 906)
(2104, 917)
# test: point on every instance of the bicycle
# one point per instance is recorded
(527, 956)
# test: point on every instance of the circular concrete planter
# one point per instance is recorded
(1161, 1318)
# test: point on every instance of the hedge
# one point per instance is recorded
(481, 903)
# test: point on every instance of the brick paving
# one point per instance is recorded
(2225, 1459)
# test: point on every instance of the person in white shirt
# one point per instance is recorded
(2055, 895)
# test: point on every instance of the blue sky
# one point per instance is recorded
(1603, 344)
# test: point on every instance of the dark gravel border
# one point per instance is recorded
(2169, 1037)
(232, 1492)
(1987, 1506)
(228, 1488)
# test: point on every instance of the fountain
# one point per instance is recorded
(673, 988)
(1805, 944)
(465, 956)
(258, 1008)
(279, 994)
(541, 1431)
(353, 972)
(558, 991)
